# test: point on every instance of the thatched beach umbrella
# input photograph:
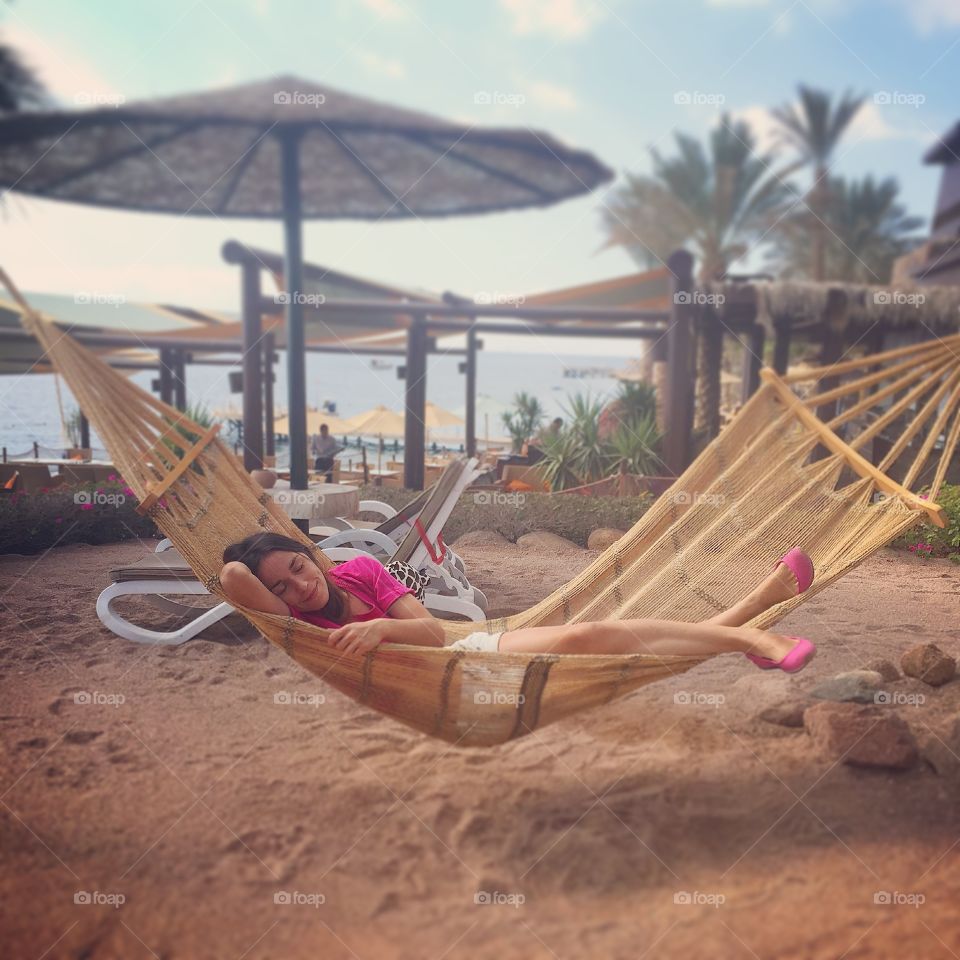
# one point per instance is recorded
(291, 149)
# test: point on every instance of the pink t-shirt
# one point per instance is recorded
(367, 578)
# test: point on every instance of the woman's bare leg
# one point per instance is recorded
(779, 586)
(658, 637)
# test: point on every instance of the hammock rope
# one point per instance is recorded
(755, 491)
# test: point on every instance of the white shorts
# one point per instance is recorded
(478, 642)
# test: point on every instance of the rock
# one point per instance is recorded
(927, 662)
(542, 541)
(863, 736)
(886, 668)
(859, 686)
(603, 537)
(941, 749)
(789, 713)
(482, 538)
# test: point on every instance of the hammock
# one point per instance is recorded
(777, 476)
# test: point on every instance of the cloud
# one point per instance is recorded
(387, 9)
(562, 19)
(553, 96)
(927, 15)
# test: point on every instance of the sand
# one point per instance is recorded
(202, 818)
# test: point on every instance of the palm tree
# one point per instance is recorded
(813, 129)
(716, 201)
(869, 229)
(19, 88)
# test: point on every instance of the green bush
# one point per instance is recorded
(514, 514)
(928, 540)
(67, 513)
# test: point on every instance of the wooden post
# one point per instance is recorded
(166, 376)
(832, 347)
(680, 381)
(415, 404)
(84, 432)
(712, 332)
(752, 360)
(269, 430)
(781, 343)
(470, 369)
(179, 377)
(250, 307)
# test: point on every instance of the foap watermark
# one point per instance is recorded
(498, 898)
(899, 297)
(99, 299)
(897, 898)
(491, 698)
(498, 98)
(98, 98)
(295, 98)
(97, 898)
(494, 298)
(87, 499)
(305, 299)
(294, 698)
(686, 898)
(698, 98)
(696, 698)
(296, 898)
(96, 698)
(699, 298)
(500, 498)
(898, 698)
(898, 98)
(688, 498)
(297, 498)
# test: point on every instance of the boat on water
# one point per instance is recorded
(587, 373)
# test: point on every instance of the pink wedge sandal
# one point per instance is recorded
(802, 653)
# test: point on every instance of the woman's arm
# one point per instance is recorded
(243, 588)
(408, 621)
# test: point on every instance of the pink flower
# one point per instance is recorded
(112, 478)
(129, 492)
(86, 506)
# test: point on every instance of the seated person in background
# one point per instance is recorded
(324, 448)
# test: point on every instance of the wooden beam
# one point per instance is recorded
(156, 490)
(252, 367)
(680, 376)
(415, 406)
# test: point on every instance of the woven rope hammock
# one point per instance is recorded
(778, 476)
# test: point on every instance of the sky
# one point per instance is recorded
(616, 77)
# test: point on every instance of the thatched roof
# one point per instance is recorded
(932, 307)
(218, 154)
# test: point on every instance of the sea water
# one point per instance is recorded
(29, 403)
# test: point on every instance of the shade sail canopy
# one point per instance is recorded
(217, 154)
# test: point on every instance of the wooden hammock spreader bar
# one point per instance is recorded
(945, 458)
(917, 350)
(860, 465)
(156, 490)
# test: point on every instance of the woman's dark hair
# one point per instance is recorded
(251, 551)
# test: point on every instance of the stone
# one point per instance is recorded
(927, 662)
(860, 735)
(941, 749)
(543, 541)
(860, 686)
(886, 668)
(604, 537)
(789, 713)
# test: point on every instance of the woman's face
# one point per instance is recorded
(295, 579)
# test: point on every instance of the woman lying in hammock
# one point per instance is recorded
(364, 606)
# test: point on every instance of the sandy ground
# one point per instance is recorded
(201, 801)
